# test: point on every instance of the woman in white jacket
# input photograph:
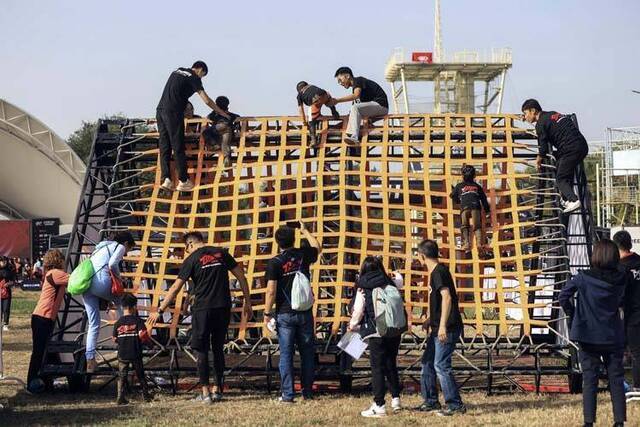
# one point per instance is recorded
(383, 351)
(105, 259)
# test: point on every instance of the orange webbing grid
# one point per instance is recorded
(381, 199)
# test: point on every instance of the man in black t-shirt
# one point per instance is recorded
(295, 328)
(130, 333)
(559, 131)
(208, 267)
(444, 327)
(182, 83)
(314, 97)
(630, 261)
(369, 100)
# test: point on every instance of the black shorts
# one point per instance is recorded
(209, 325)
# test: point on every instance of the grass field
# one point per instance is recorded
(259, 409)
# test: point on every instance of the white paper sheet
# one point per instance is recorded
(352, 344)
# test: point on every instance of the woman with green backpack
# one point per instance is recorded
(378, 315)
(97, 272)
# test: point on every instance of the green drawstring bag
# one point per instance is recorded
(80, 279)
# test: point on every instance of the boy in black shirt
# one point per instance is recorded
(369, 100)
(208, 267)
(314, 97)
(130, 333)
(630, 261)
(444, 327)
(182, 83)
(294, 328)
(471, 197)
(559, 131)
(220, 133)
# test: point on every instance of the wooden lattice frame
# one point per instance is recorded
(272, 166)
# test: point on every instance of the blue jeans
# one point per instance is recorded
(296, 328)
(100, 288)
(436, 361)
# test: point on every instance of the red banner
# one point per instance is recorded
(426, 57)
(15, 238)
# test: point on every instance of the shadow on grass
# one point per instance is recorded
(520, 405)
(66, 416)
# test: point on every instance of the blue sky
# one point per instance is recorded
(68, 61)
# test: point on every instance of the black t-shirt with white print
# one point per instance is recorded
(125, 332)
(310, 94)
(209, 268)
(182, 83)
(283, 268)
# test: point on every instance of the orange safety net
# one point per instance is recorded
(381, 198)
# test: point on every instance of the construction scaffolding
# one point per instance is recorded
(453, 77)
(381, 198)
(618, 179)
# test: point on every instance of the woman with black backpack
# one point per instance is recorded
(383, 350)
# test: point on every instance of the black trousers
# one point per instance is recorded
(383, 353)
(591, 359)
(41, 330)
(6, 308)
(633, 342)
(566, 167)
(123, 372)
(209, 328)
(171, 129)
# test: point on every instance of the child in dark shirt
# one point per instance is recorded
(130, 333)
(220, 133)
(471, 197)
(314, 97)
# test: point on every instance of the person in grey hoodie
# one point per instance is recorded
(596, 325)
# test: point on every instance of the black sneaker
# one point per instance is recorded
(122, 401)
(216, 397)
(429, 407)
(448, 412)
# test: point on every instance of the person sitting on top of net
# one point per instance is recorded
(314, 97)
(220, 133)
(182, 83)
(472, 198)
(559, 131)
(369, 100)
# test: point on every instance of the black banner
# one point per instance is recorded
(41, 230)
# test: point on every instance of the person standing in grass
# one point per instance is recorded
(444, 327)
(44, 315)
(630, 261)
(130, 333)
(596, 325)
(208, 267)
(294, 327)
(383, 350)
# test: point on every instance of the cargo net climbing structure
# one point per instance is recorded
(380, 198)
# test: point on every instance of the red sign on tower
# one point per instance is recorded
(426, 57)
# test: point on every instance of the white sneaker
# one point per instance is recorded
(167, 184)
(185, 186)
(351, 140)
(5, 328)
(374, 411)
(571, 206)
(395, 404)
